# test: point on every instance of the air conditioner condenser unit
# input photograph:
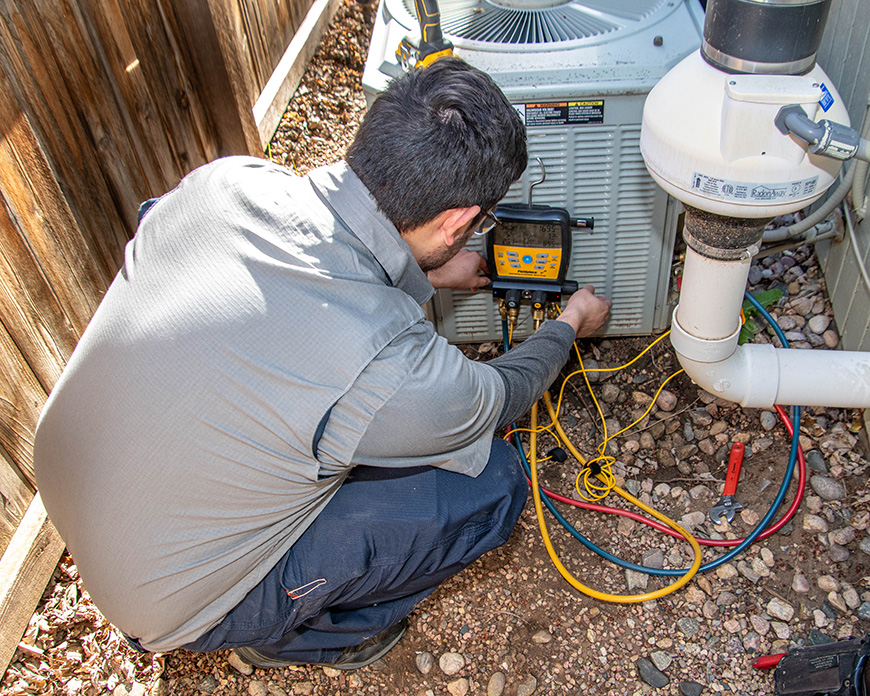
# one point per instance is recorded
(578, 73)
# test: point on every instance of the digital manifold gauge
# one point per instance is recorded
(530, 249)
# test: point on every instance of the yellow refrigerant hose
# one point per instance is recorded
(536, 494)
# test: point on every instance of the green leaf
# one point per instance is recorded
(765, 298)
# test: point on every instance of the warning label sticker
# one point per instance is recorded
(753, 192)
(562, 113)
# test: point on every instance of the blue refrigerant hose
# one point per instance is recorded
(725, 558)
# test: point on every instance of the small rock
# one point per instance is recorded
(820, 619)
(496, 684)
(635, 580)
(835, 599)
(864, 611)
(782, 630)
(329, 672)
(688, 626)
(864, 545)
(838, 553)
(831, 338)
(236, 662)
(459, 687)
(768, 420)
(759, 624)
(827, 583)
(815, 524)
(850, 596)
(816, 462)
(750, 517)
(732, 626)
(137, 689)
(661, 660)
(828, 488)
(650, 674)
(206, 686)
(690, 688)
(451, 662)
(303, 688)
(666, 400)
(257, 688)
(800, 584)
(726, 571)
(542, 637)
(780, 610)
(425, 662)
(843, 537)
(527, 686)
(610, 393)
(819, 323)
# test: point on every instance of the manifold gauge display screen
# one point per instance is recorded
(528, 234)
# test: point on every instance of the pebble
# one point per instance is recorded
(236, 662)
(816, 461)
(661, 660)
(257, 688)
(800, 584)
(527, 686)
(864, 545)
(451, 662)
(425, 662)
(831, 338)
(828, 488)
(835, 599)
(650, 674)
(819, 323)
(690, 688)
(688, 626)
(843, 536)
(610, 393)
(838, 553)
(864, 610)
(542, 637)
(781, 629)
(496, 684)
(459, 687)
(726, 571)
(137, 689)
(207, 686)
(827, 583)
(815, 524)
(666, 400)
(850, 596)
(779, 609)
(768, 420)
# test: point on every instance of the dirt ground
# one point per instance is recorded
(510, 623)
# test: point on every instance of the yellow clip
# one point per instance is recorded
(432, 57)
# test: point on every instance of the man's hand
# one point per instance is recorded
(585, 312)
(465, 271)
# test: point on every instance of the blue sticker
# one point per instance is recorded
(827, 101)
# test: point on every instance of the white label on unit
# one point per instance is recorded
(714, 187)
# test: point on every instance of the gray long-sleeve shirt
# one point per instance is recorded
(264, 336)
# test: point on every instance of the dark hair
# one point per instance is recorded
(438, 138)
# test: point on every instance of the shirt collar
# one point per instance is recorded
(340, 188)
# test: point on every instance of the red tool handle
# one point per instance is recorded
(735, 461)
(768, 661)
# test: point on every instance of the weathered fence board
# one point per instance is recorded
(105, 104)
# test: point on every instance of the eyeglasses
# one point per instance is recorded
(489, 221)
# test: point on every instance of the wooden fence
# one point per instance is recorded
(103, 104)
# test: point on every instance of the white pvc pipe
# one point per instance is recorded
(711, 295)
(759, 376)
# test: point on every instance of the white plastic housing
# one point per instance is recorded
(709, 139)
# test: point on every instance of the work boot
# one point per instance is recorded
(352, 657)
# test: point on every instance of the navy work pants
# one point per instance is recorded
(384, 542)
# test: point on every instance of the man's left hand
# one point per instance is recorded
(465, 271)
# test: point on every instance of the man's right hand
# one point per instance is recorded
(585, 311)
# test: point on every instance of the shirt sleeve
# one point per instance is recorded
(420, 402)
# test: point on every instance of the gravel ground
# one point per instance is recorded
(510, 624)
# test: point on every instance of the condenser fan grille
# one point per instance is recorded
(527, 22)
